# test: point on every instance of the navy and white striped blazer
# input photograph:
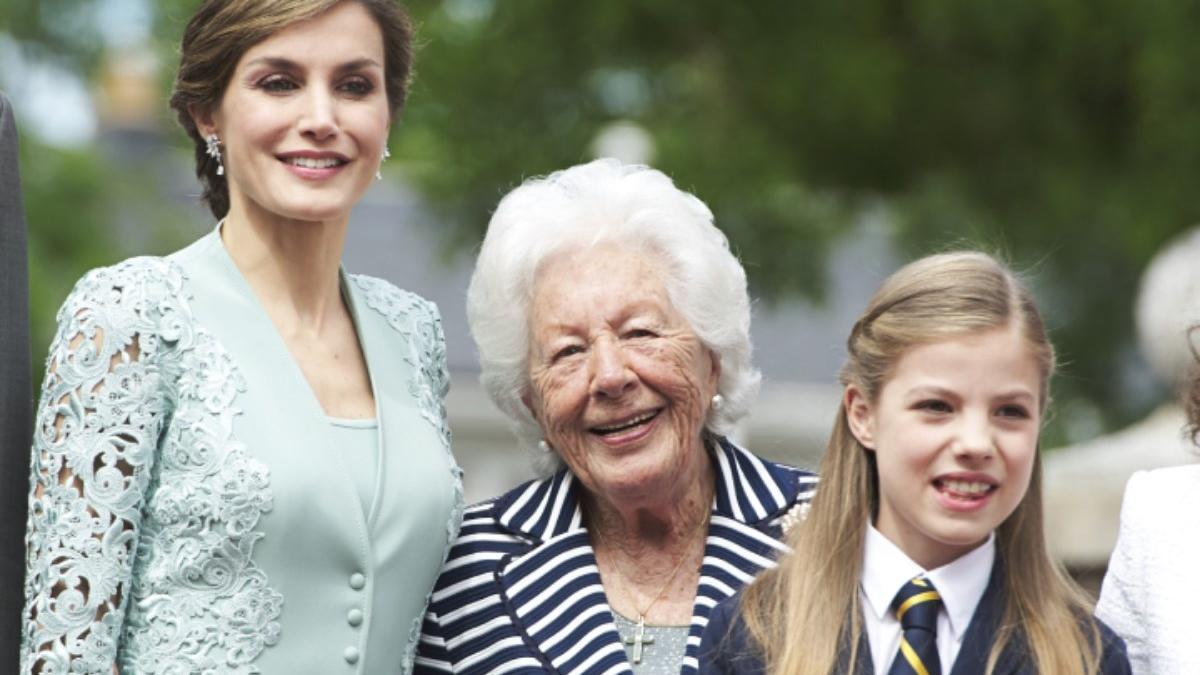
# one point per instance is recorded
(521, 593)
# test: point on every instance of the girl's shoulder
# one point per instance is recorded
(1114, 657)
(726, 645)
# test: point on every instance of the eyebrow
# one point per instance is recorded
(934, 390)
(1017, 395)
(929, 390)
(288, 64)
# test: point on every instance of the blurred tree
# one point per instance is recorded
(82, 214)
(64, 31)
(70, 223)
(1064, 133)
(89, 205)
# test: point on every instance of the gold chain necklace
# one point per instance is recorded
(639, 639)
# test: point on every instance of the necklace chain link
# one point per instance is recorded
(619, 576)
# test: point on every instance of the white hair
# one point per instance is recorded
(634, 207)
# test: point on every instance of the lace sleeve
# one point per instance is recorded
(97, 427)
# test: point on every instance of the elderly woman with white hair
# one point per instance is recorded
(612, 323)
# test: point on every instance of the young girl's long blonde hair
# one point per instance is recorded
(805, 611)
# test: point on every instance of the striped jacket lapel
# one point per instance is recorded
(752, 500)
(553, 593)
(555, 598)
(542, 509)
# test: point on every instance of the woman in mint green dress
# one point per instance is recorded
(241, 462)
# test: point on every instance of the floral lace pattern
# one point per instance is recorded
(414, 317)
(417, 320)
(142, 520)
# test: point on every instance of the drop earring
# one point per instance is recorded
(544, 446)
(213, 144)
(386, 154)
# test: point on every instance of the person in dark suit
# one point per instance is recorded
(923, 551)
(15, 393)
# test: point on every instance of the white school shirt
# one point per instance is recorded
(885, 571)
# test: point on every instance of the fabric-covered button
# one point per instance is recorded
(357, 581)
(351, 655)
(354, 617)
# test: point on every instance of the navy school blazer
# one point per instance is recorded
(520, 591)
(726, 647)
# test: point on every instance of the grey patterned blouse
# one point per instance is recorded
(662, 650)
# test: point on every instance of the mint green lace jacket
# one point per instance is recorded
(189, 509)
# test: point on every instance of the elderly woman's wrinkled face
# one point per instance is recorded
(621, 384)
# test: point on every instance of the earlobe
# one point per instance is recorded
(859, 417)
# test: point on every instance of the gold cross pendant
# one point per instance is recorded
(639, 640)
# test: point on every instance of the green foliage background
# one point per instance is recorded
(1063, 132)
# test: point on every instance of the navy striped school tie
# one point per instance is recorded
(916, 606)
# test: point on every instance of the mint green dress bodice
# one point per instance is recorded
(357, 445)
(193, 508)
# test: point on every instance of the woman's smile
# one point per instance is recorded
(312, 165)
(627, 431)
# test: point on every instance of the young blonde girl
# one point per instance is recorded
(806, 616)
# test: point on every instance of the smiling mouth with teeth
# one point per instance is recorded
(965, 488)
(626, 424)
(313, 163)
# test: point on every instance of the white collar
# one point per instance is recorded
(961, 583)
